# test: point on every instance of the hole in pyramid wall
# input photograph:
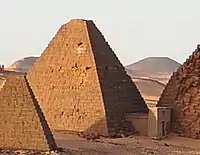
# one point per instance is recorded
(75, 66)
(87, 68)
(60, 68)
(79, 44)
(81, 48)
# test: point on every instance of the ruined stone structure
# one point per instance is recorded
(80, 83)
(182, 93)
(22, 124)
(1, 68)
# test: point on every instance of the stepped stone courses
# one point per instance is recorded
(80, 83)
(22, 124)
(182, 93)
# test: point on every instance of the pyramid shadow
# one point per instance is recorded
(45, 126)
(117, 87)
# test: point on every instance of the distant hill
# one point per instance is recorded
(158, 68)
(150, 64)
(151, 75)
(22, 65)
(148, 67)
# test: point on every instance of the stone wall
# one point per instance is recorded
(22, 124)
(80, 83)
(182, 93)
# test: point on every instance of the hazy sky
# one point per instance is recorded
(135, 29)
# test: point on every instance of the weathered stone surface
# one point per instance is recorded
(182, 93)
(81, 85)
(22, 124)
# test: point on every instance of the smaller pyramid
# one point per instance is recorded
(182, 94)
(22, 124)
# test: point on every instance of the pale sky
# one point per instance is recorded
(135, 29)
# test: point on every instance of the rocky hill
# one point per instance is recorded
(22, 65)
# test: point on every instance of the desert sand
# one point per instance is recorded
(135, 145)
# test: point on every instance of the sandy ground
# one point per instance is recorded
(136, 145)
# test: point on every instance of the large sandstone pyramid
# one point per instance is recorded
(182, 93)
(22, 124)
(80, 83)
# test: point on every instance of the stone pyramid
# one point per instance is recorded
(182, 93)
(80, 83)
(22, 124)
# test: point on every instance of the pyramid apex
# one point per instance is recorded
(80, 20)
(77, 22)
(198, 47)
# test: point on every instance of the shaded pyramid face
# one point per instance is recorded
(22, 124)
(80, 83)
(182, 93)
